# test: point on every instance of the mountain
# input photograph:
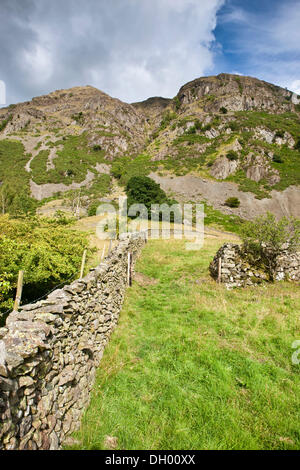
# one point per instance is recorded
(221, 136)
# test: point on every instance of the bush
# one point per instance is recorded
(92, 210)
(297, 145)
(233, 202)
(45, 250)
(279, 134)
(234, 126)
(277, 159)
(191, 131)
(223, 110)
(177, 103)
(4, 123)
(232, 155)
(198, 125)
(265, 236)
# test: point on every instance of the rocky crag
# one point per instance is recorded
(222, 129)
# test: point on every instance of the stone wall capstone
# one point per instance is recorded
(49, 353)
(237, 271)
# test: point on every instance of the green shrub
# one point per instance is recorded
(223, 110)
(47, 251)
(198, 125)
(92, 210)
(234, 126)
(191, 131)
(232, 155)
(277, 159)
(279, 134)
(79, 118)
(168, 117)
(177, 103)
(4, 123)
(233, 202)
(264, 237)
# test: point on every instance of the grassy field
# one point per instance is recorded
(195, 366)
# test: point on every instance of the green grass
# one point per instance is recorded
(15, 189)
(287, 122)
(195, 366)
(71, 163)
(247, 185)
(125, 168)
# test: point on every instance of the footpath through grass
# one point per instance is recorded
(194, 366)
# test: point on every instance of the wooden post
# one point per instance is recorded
(19, 291)
(83, 264)
(129, 273)
(220, 271)
(103, 252)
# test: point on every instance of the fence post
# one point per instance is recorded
(103, 252)
(83, 264)
(129, 271)
(220, 271)
(19, 291)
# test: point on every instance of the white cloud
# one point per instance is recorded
(295, 86)
(131, 49)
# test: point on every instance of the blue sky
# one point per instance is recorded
(260, 38)
(134, 49)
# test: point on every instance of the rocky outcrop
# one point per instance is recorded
(223, 167)
(258, 168)
(236, 93)
(231, 266)
(271, 137)
(49, 352)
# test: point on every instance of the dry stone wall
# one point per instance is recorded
(232, 267)
(49, 353)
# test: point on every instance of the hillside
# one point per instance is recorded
(219, 137)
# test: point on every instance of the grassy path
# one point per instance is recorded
(194, 366)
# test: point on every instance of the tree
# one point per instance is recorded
(143, 190)
(265, 237)
(48, 252)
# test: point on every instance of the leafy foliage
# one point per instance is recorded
(265, 236)
(14, 192)
(143, 190)
(267, 231)
(47, 251)
(233, 202)
(4, 123)
(232, 155)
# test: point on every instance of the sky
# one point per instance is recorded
(134, 49)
